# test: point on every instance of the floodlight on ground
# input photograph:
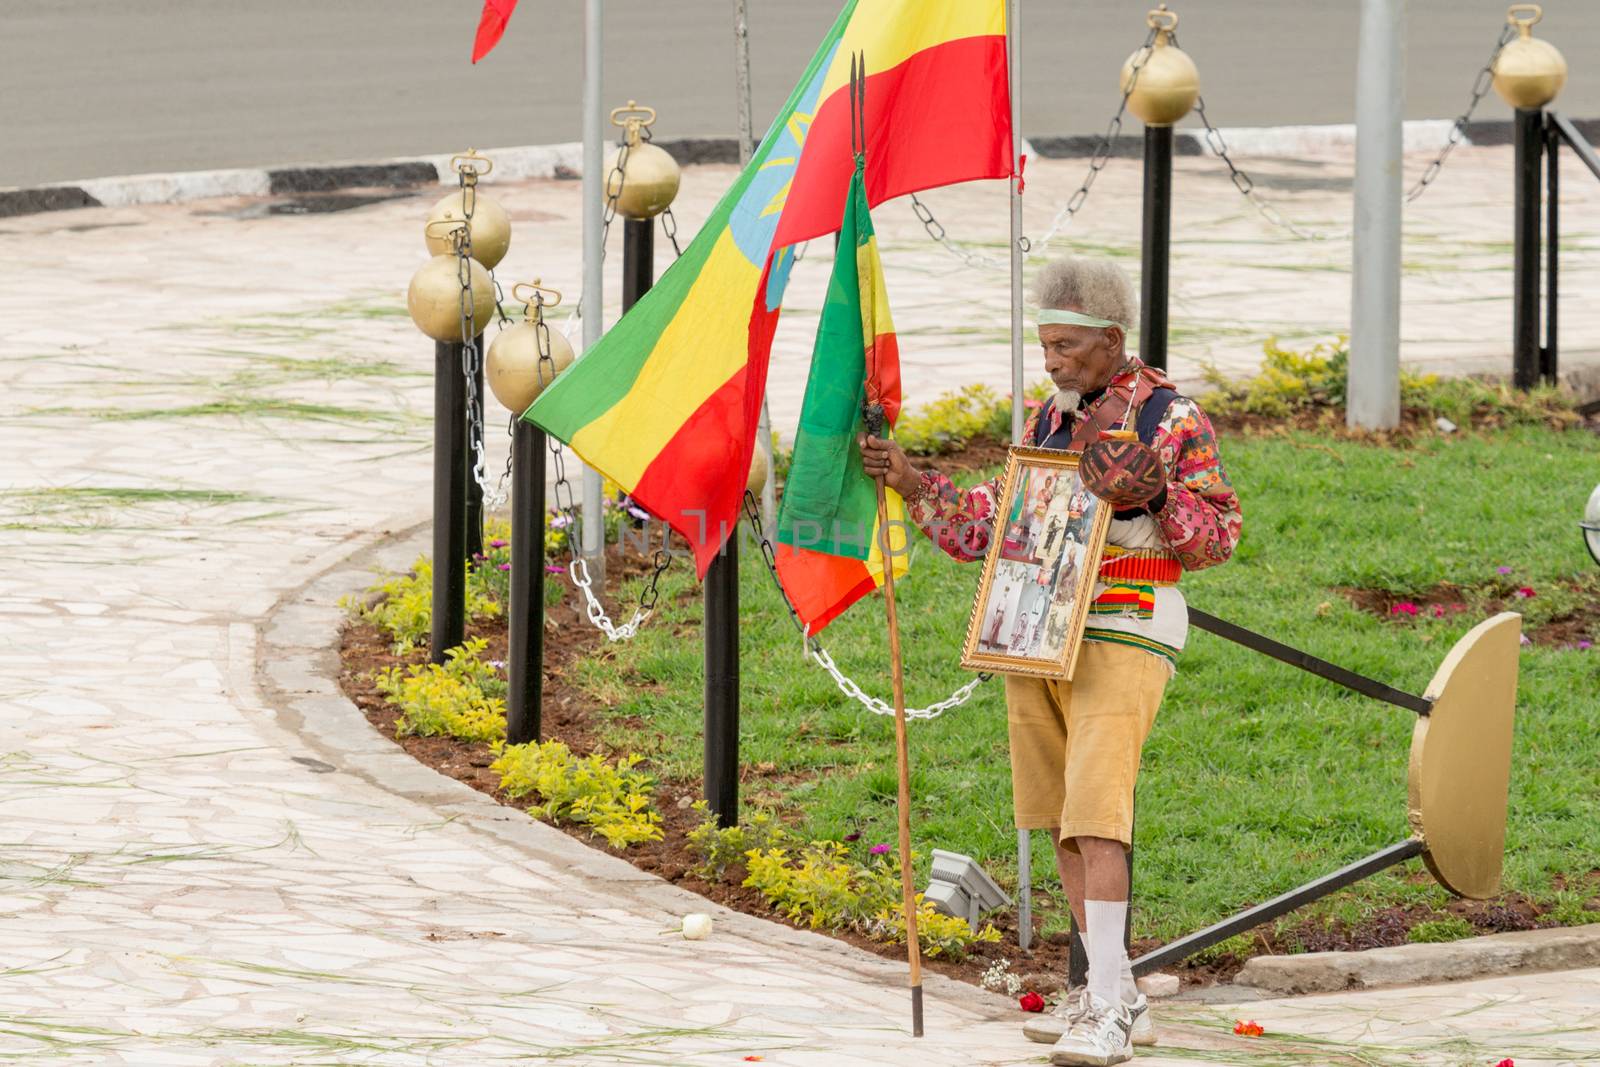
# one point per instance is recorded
(958, 887)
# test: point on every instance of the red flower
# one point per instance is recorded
(1507, 1062)
(1030, 1001)
(1248, 1029)
(1526, 592)
(752, 1059)
(1405, 607)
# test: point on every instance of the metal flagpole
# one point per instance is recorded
(1013, 65)
(741, 69)
(1374, 385)
(594, 304)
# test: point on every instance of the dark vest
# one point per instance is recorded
(1145, 425)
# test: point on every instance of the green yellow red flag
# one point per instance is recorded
(666, 403)
(830, 551)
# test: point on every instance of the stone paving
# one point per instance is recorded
(217, 420)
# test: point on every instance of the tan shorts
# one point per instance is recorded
(1075, 745)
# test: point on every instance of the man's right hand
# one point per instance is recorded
(884, 459)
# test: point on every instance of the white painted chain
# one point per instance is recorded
(578, 569)
(850, 689)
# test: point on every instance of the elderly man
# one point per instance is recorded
(1075, 745)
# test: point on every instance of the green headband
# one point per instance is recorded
(1057, 317)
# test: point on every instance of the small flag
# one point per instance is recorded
(830, 551)
(491, 26)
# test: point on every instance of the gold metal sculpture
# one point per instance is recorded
(758, 471)
(1529, 71)
(1168, 83)
(649, 176)
(1461, 759)
(513, 369)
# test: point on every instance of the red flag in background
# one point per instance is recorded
(496, 13)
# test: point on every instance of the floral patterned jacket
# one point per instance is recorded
(1200, 518)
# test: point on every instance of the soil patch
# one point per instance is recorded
(1574, 629)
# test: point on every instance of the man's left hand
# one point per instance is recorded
(1125, 474)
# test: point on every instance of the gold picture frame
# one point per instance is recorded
(1040, 571)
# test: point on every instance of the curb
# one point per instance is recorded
(1554, 949)
(292, 672)
(565, 160)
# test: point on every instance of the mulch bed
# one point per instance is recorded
(570, 715)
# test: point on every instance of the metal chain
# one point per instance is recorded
(471, 359)
(566, 505)
(613, 191)
(1097, 162)
(1480, 88)
(669, 222)
(814, 648)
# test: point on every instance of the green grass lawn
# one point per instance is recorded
(1256, 776)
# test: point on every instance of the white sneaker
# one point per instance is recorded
(1100, 1035)
(1047, 1029)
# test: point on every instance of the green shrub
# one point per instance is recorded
(613, 800)
(821, 885)
(464, 697)
(957, 417)
(405, 609)
(719, 847)
(1432, 931)
(1292, 382)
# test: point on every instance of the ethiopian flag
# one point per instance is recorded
(666, 403)
(830, 551)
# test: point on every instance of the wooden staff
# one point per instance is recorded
(875, 420)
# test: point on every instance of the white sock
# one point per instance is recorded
(1106, 921)
(1130, 988)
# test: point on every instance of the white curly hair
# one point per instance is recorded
(1097, 287)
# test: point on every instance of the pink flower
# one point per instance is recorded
(1438, 611)
(1404, 607)
(1502, 570)
(551, 568)
(1525, 593)
(1584, 646)
(505, 566)
(878, 850)
(1526, 640)
(1030, 1001)
(497, 543)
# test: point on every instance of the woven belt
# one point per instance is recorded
(1149, 566)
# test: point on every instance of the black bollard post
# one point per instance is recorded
(722, 684)
(1157, 245)
(474, 545)
(1549, 356)
(638, 259)
(1529, 141)
(449, 502)
(525, 650)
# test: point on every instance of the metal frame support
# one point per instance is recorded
(1024, 890)
(1282, 904)
(448, 625)
(638, 259)
(1157, 244)
(1528, 139)
(722, 683)
(1014, 68)
(525, 643)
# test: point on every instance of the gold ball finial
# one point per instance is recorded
(1165, 80)
(514, 368)
(434, 298)
(1528, 72)
(649, 178)
(758, 471)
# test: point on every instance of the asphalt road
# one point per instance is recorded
(91, 88)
